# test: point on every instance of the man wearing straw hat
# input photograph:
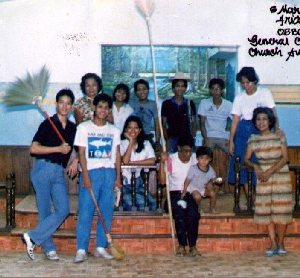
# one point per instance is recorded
(178, 113)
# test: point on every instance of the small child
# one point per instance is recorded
(200, 179)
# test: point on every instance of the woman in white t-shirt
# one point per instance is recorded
(121, 110)
(242, 126)
(135, 149)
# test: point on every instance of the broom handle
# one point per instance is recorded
(54, 127)
(162, 134)
(100, 215)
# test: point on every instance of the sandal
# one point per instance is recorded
(194, 252)
(281, 252)
(181, 251)
(270, 252)
(213, 211)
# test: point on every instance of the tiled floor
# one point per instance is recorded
(208, 265)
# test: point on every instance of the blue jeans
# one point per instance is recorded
(173, 145)
(49, 185)
(102, 180)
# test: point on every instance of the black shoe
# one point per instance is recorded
(29, 245)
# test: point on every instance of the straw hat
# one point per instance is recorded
(180, 76)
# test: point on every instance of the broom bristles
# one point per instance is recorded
(117, 251)
(145, 6)
(23, 91)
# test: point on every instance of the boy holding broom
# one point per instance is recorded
(99, 156)
(47, 175)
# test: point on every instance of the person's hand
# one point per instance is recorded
(265, 176)
(280, 132)
(86, 182)
(118, 183)
(65, 148)
(163, 157)
(73, 168)
(183, 194)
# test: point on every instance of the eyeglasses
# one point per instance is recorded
(215, 89)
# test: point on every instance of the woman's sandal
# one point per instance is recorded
(281, 252)
(181, 251)
(270, 252)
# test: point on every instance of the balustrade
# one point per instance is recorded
(10, 185)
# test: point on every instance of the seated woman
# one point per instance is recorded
(121, 110)
(135, 150)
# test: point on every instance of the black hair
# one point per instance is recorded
(102, 98)
(123, 87)
(203, 150)
(249, 73)
(140, 81)
(88, 76)
(216, 81)
(65, 92)
(141, 137)
(187, 140)
(174, 82)
(264, 110)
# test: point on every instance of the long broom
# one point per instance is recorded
(116, 250)
(30, 91)
(147, 7)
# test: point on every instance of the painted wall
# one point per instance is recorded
(66, 36)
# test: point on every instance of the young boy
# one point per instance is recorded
(200, 179)
(186, 219)
(99, 156)
(146, 110)
(47, 176)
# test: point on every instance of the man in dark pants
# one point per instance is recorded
(186, 217)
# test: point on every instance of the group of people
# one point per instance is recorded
(110, 131)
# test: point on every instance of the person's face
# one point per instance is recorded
(133, 129)
(248, 86)
(262, 122)
(102, 110)
(203, 161)
(216, 91)
(179, 88)
(184, 153)
(91, 87)
(142, 91)
(120, 95)
(64, 105)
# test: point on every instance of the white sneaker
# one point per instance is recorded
(81, 256)
(29, 245)
(52, 256)
(100, 252)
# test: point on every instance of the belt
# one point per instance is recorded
(48, 160)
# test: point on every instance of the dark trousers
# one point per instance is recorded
(186, 220)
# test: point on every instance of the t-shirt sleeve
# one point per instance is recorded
(236, 110)
(41, 132)
(164, 110)
(154, 109)
(81, 136)
(190, 173)
(149, 150)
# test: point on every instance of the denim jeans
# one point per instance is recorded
(186, 220)
(102, 180)
(49, 185)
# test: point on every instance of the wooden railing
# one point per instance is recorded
(9, 186)
(146, 169)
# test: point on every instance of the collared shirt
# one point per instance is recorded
(178, 116)
(46, 136)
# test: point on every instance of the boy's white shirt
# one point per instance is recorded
(100, 142)
(179, 171)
